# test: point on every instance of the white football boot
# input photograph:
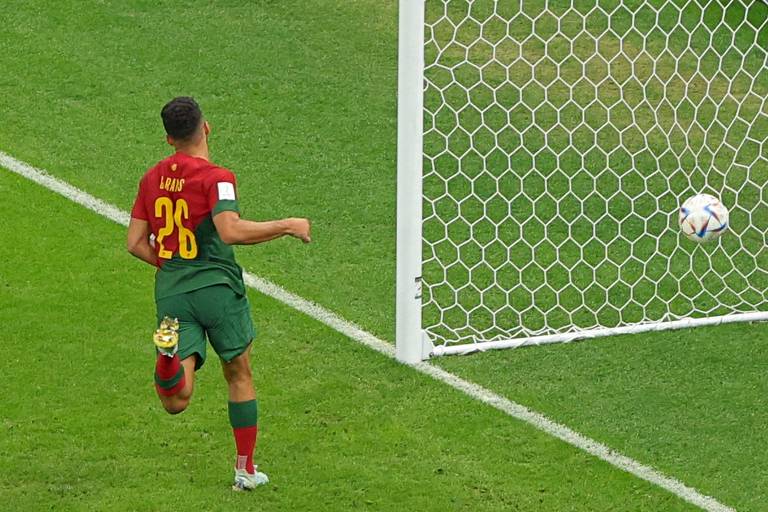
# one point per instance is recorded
(245, 481)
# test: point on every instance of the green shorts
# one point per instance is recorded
(214, 311)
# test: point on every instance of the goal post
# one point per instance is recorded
(410, 129)
(544, 147)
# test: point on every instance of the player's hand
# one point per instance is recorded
(300, 228)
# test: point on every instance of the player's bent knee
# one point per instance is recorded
(175, 405)
(175, 408)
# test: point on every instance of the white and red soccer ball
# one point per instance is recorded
(703, 218)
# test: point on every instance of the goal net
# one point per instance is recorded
(560, 138)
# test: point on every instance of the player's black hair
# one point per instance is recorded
(181, 117)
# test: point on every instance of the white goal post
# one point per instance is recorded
(544, 148)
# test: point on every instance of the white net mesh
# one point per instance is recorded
(560, 138)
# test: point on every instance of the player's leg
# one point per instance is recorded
(237, 373)
(231, 336)
(180, 342)
(242, 408)
(243, 417)
(175, 398)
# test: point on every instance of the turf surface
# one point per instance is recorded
(301, 97)
(343, 428)
(681, 399)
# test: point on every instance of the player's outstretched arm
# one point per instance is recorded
(234, 230)
(138, 241)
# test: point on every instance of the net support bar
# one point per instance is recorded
(445, 350)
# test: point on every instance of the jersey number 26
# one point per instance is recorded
(174, 215)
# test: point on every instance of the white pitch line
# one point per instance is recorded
(354, 332)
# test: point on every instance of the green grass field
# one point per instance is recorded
(301, 96)
(343, 428)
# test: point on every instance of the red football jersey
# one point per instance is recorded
(175, 196)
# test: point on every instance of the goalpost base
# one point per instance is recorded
(445, 350)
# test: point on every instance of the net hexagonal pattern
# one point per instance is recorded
(560, 138)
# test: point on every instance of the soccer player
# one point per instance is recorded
(184, 220)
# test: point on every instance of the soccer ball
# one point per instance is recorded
(703, 217)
